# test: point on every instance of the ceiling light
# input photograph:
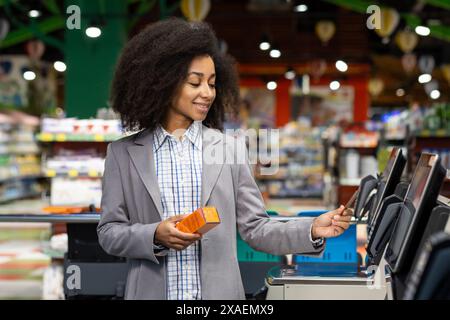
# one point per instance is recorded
(271, 85)
(34, 13)
(334, 85)
(400, 92)
(29, 75)
(341, 66)
(59, 66)
(93, 32)
(422, 31)
(435, 94)
(424, 78)
(264, 46)
(289, 74)
(301, 8)
(275, 53)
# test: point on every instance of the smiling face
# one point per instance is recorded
(195, 95)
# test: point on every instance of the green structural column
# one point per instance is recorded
(91, 61)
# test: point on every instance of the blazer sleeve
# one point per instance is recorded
(256, 227)
(116, 235)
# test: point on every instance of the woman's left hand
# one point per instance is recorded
(332, 224)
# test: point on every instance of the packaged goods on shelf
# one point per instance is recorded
(300, 164)
(80, 162)
(79, 192)
(81, 126)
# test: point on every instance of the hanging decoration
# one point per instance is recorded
(4, 28)
(376, 86)
(318, 68)
(35, 49)
(426, 64)
(446, 71)
(406, 40)
(409, 62)
(195, 10)
(389, 21)
(325, 30)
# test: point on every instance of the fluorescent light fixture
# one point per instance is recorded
(424, 78)
(435, 94)
(301, 8)
(422, 31)
(271, 85)
(29, 75)
(59, 66)
(93, 32)
(334, 85)
(341, 66)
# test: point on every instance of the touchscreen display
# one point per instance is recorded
(389, 164)
(419, 181)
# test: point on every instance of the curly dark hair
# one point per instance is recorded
(153, 66)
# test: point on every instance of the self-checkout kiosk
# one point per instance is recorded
(413, 217)
(429, 277)
(300, 282)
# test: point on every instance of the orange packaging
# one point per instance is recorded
(201, 220)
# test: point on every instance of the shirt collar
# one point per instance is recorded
(193, 133)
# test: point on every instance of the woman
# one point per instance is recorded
(174, 85)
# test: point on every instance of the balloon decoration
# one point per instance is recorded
(446, 71)
(325, 30)
(195, 10)
(426, 64)
(406, 40)
(409, 62)
(35, 49)
(376, 85)
(389, 21)
(4, 28)
(430, 86)
(318, 68)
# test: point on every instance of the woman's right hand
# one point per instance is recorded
(169, 236)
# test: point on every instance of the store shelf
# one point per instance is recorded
(63, 137)
(441, 133)
(52, 218)
(28, 177)
(19, 197)
(73, 173)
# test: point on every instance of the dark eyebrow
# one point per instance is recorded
(200, 74)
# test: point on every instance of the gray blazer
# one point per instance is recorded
(132, 209)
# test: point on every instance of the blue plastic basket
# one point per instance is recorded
(340, 251)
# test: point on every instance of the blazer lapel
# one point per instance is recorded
(141, 154)
(213, 160)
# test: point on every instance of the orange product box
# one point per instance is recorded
(201, 220)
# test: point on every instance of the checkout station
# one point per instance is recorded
(407, 250)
